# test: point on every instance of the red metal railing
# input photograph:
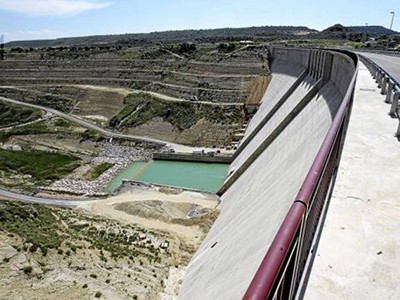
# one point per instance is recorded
(282, 268)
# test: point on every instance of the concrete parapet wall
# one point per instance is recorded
(341, 73)
(297, 56)
(193, 158)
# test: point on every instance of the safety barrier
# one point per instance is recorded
(284, 270)
(389, 87)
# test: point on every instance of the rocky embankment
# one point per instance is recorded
(120, 156)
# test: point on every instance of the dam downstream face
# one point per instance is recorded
(207, 177)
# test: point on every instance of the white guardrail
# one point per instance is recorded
(389, 87)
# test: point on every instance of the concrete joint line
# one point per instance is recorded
(272, 136)
(271, 113)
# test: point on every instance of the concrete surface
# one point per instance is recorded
(253, 207)
(275, 121)
(284, 76)
(391, 64)
(358, 256)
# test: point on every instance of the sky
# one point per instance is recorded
(44, 19)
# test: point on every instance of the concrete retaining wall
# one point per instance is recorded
(255, 203)
(192, 158)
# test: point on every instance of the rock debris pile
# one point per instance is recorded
(120, 156)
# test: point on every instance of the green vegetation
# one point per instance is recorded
(46, 228)
(105, 42)
(40, 165)
(34, 128)
(141, 108)
(12, 114)
(98, 170)
(59, 122)
(91, 135)
(27, 269)
(35, 224)
(60, 103)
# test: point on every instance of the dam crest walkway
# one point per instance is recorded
(358, 254)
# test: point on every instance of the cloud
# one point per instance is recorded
(51, 7)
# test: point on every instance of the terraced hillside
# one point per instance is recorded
(94, 84)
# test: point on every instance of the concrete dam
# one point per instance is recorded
(279, 183)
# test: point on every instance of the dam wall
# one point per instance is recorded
(271, 164)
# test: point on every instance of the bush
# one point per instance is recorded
(33, 248)
(98, 295)
(93, 276)
(85, 286)
(27, 270)
(44, 250)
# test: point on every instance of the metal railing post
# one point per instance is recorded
(395, 104)
(390, 92)
(385, 81)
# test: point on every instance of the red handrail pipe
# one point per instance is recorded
(265, 278)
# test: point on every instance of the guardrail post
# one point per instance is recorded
(380, 78)
(398, 131)
(372, 69)
(395, 104)
(385, 81)
(390, 92)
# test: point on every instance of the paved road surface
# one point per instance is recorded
(391, 64)
(45, 201)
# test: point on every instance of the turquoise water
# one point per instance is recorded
(200, 176)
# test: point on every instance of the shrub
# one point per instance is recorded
(98, 295)
(27, 270)
(33, 248)
(44, 250)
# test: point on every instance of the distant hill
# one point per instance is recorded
(339, 31)
(208, 35)
(373, 30)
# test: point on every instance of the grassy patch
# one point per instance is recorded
(59, 122)
(42, 228)
(97, 171)
(12, 114)
(33, 223)
(60, 103)
(141, 108)
(40, 165)
(34, 128)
